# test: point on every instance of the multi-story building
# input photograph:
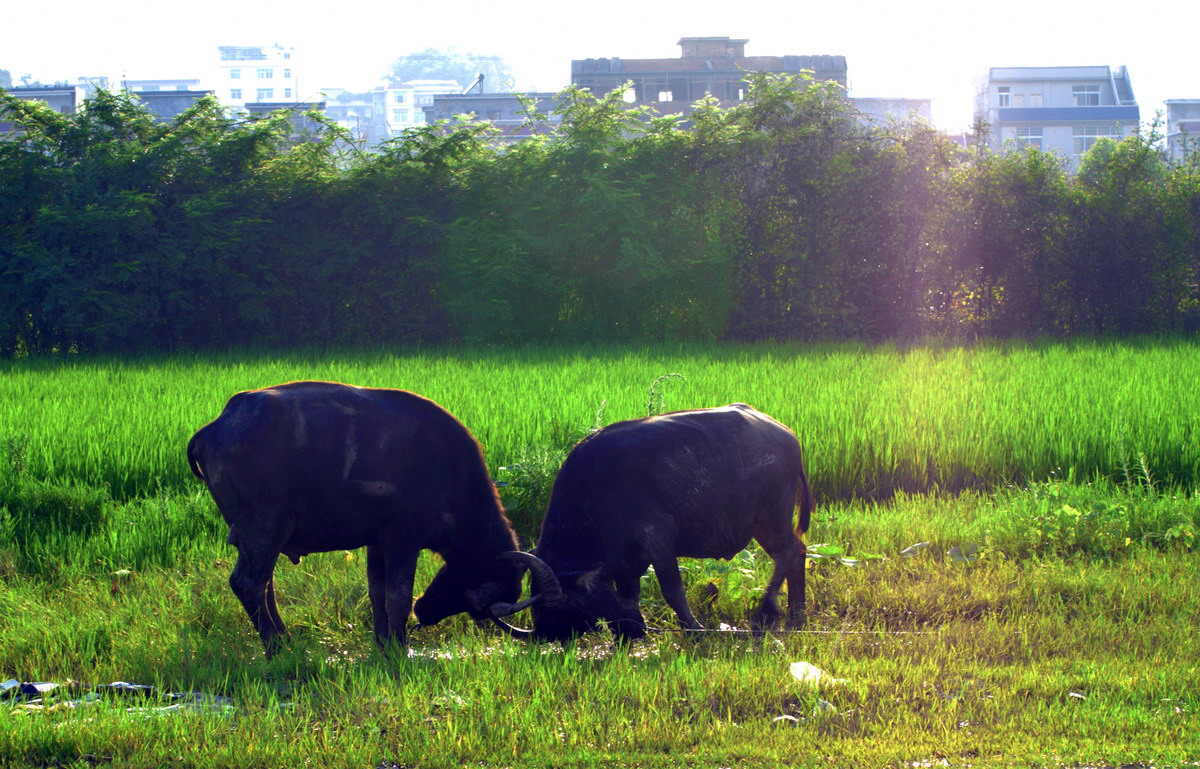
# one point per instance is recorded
(707, 65)
(258, 75)
(161, 84)
(358, 113)
(1183, 127)
(505, 111)
(166, 98)
(1059, 109)
(168, 105)
(304, 128)
(63, 98)
(387, 110)
(406, 105)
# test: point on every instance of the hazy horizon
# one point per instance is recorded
(935, 50)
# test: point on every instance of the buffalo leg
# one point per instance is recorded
(795, 580)
(789, 557)
(629, 590)
(669, 579)
(629, 593)
(272, 608)
(768, 610)
(398, 593)
(252, 582)
(376, 589)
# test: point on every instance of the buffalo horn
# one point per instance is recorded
(501, 609)
(550, 592)
(515, 632)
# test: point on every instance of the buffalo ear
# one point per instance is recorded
(589, 579)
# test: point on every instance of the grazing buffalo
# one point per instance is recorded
(309, 467)
(644, 492)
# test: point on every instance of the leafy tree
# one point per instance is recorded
(1130, 258)
(1005, 254)
(452, 64)
(783, 217)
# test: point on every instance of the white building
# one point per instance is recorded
(404, 104)
(1183, 126)
(257, 75)
(160, 84)
(1059, 109)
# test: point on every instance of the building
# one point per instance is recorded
(387, 110)
(1059, 109)
(505, 111)
(358, 113)
(707, 65)
(406, 105)
(166, 98)
(155, 85)
(63, 98)
(168, 105)
(257, 75)
(1183, 127)
(303, 126)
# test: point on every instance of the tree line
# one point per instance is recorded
(783, 217)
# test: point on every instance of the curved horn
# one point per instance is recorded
(515, 632)
(550, 591)
(501, 609)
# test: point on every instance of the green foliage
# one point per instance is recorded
(783, 217)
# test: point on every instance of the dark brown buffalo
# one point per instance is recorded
(309, 467)
(642, 493)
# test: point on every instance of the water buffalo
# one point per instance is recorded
(309, 467)
(644, 492)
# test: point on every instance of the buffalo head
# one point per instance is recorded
(570, 604)
(470, 588)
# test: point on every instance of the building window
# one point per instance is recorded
(401, 97)
(266, 93)
(1004, 98)
(287, 93)
(1086, 95)
(1029, 136)
(235, 93)
(1018, 100)
(266, 73)
(1035, 100)
(400, 115)
(1086, 135)
(287, 74)
(665, 96)
(235, 74)
(149, 88)
(493, 114)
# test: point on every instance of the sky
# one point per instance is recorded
(938, 50)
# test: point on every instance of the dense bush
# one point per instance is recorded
(784, 217)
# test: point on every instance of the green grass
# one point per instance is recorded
(1042, 662)
(1067, 472)
(872, 420)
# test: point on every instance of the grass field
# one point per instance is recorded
(1049, 622)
